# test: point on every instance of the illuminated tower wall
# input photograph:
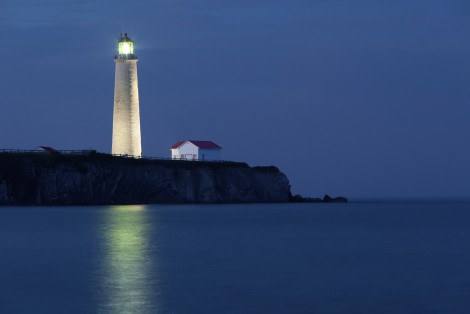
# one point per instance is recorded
(126, 118)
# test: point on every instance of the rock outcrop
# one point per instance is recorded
(326, 199)
(55, 179)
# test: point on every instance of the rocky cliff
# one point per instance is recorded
(55, 179)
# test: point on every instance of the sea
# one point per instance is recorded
(364, 257)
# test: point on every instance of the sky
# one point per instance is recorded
(367, 99)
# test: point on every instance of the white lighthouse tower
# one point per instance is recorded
(126, 118)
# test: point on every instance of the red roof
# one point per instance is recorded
(200, 144)
(178, 144)
(47, 149)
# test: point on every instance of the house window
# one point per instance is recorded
(194, 156)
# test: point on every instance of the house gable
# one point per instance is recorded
(195, 150)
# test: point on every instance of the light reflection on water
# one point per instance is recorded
(257, 258)
(127, 282)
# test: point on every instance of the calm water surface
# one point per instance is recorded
(294, 258)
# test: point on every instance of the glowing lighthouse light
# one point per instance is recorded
(125, 48)
(126, 116)
(125, 45)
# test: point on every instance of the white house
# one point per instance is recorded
(196, 150)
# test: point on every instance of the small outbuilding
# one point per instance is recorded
(46, 149)
(196, 150)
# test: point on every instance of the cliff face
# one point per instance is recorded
(43, 179)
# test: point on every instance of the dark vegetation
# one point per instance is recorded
(11, 163)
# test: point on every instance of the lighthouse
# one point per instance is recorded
(126, 117)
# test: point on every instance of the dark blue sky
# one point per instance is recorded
(366, 98)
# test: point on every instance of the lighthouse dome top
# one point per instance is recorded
(125, 48)
(125, 39)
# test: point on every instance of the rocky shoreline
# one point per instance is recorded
(102, 179)
(325, 199)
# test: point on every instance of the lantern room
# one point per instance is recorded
(125, 47)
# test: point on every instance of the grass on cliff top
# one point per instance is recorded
(12, 162)
(8, 160)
